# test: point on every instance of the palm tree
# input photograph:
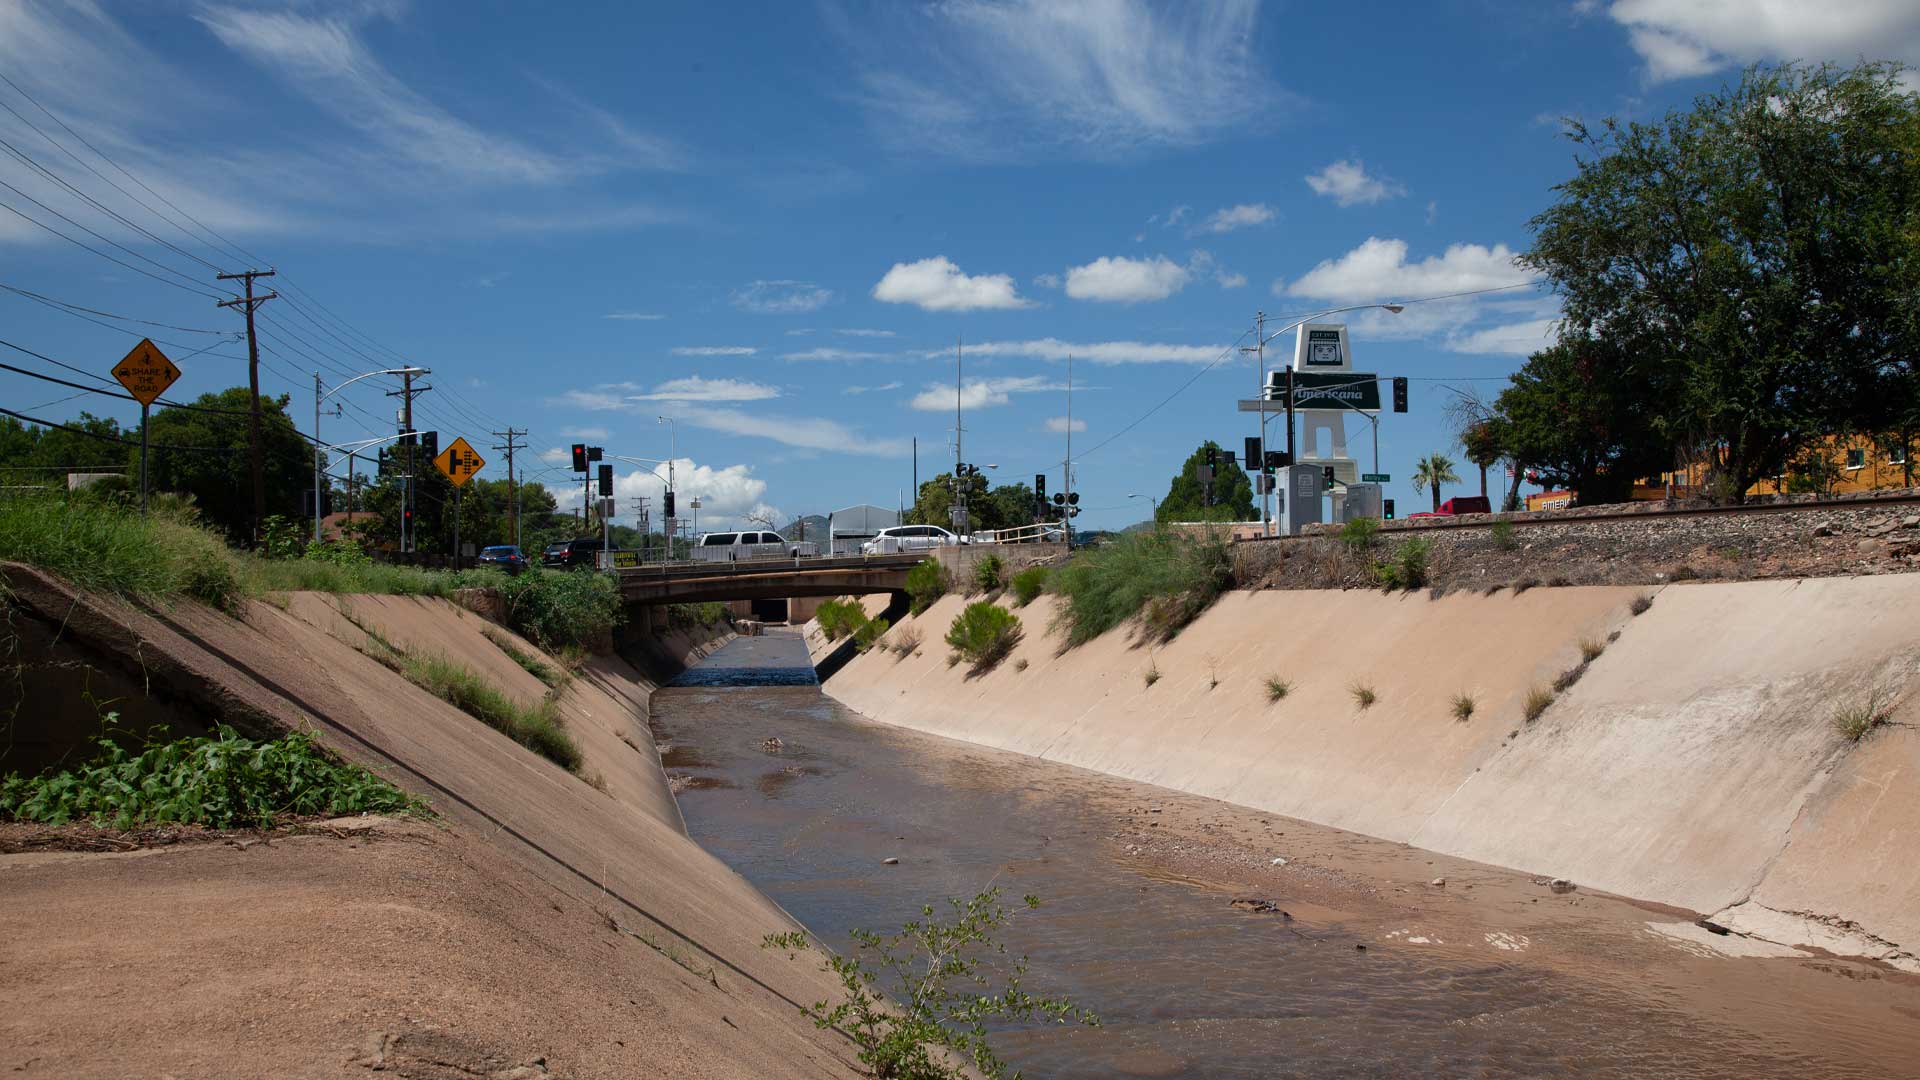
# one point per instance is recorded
(1432, 471)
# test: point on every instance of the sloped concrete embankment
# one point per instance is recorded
(1693, 763)
(663, 926)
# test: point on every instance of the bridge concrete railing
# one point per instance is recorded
(960, 559)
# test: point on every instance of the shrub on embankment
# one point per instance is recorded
(926, 583)
(1028, 584)
(839, 618)
(1165, 577)
(983, 634)
(224, 782)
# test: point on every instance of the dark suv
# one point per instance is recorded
(571, 554)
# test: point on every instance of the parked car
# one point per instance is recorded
(572, 554)
(503, 557)
(734, 546)
(908, 538)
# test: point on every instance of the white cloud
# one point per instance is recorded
(1176, 215)
(1050, 281)
(996, 79)
(1118, 279)
(871, 389)
(727, 494)
(828, 352)
(1685, 38)
(714, 350)
(866, 333)
(805, 432)
(1098, 352)
(634, 316)
(1378, 269)
(1513, 339)
(781, 297)
(585, 433)
(1229, 280)
(981, 393)
(937, 284)
(1347, 184)
(1060, 424)
(555, 455)
(696, 388)
(1244, 216)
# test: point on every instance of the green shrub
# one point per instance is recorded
(1502, 534)
(1151, 675)
(1854, 719)
(1408, 570)
(1363, 695)
(1359, 534)
(556, 609)
(1168, 578)
(107, 547)
(984, 633)
(1463, 707)
(1277, 688)
(989, 573)
(533, 665)
(840, 618)
(338, 552)
(926, 583)
(1028, 584)
(942, 976)
(696, 615)
(870, 633)
(224, 782)
(538, 729)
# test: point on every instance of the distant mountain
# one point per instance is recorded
(816, 528)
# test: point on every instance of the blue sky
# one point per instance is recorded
(772, 222)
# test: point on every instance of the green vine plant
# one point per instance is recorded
(944, 974)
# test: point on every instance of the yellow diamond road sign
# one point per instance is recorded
(146, 372)
(459, 462)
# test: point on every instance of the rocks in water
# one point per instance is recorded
(1260, 907)
(772, 744)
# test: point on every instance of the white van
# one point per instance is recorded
(734, 546)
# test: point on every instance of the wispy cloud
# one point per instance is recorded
(713, 350)
(828, 352)
(937, 284)
(1231, 218)
(1097, 352)
(856, 332)
(1060, 424)
(781, 297)
(1347, 184)
(633, 316)
(1000, 78)
(980, 393)
(695, 388)
(871, 389)
(801, 432)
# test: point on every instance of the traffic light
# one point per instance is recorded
(1326, 473)
(430, 444)
(1253, 452)
(1277, 459)
(1213, 456)
(1387, 506)
(579, 457)
(593, 453)
(606, 479)
(1400, 393)
(667, 503)
(1040, 485)
(407, 438)
(407, 516)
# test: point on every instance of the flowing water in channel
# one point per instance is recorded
(1489, 975)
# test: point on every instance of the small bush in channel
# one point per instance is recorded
(983, 634)
(840, 618)
(926, 583)
(1028, 584)
(870, 633)
(989, 573)
(1463, 707)
(1277, 688)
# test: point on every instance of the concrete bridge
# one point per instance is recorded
(766, 579)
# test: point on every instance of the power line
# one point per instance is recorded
(103, 239)
(49, 301)
(30, 162)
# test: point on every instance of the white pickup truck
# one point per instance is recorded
(735, 546)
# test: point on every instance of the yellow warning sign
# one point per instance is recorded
(146, 372)
(459, 462)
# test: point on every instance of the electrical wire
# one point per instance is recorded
(49, 301)
(113, 243)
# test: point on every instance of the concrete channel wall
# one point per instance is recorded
(1694, 762)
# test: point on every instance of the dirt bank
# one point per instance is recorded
(1692, 762)
(485, 942)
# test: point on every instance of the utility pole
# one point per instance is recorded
(1066, 466)
(513, 490)
(255, 451)
(958, 514)
(405, 394)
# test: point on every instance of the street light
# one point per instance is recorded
(667, 480)
(318, 397)
(353, 448)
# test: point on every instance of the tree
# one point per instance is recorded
(1005, 507)
(1432, 471)
(1187, 498)
(1578, 414)
(220, 478)
(1755, 256)
(43, 455)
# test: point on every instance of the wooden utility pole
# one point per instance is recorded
(410, 442)
(513, 490)
(255, 451)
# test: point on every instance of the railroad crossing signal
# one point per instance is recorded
(459, 462)
(146, 372)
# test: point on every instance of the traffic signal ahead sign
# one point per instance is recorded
(459, 462)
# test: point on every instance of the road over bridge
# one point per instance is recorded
(766, 579)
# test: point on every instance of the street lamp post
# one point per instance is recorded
(668, 481)
(672, 452)
(351, 448)
(318, 397)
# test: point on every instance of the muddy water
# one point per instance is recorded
(1372, 970)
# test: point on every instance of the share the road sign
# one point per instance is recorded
(459, 462)
(146, 372)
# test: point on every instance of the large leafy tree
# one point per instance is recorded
(1188, 499)
(1754, 258)
(1005, 507)
(36, 456)
(218, 474)
(1580, 414)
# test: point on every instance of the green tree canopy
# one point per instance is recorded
(1753, 262)
(221, 482)
(1187, 498)
(1432, 471)
(1578, 415)
(1005, 507)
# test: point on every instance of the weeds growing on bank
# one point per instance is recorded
(1854, 719)
(983, 634)
(1502, 535)
(1363, 695)
(1590, 649)
(1538, 699)
(554, 678)
(224, 781)
(870, 633)
(1408, 567)
(906, 641)
(989, 573)
(1463, 707)
(1165, 577)
(105, 548)
(1277, 688)
(839, 618)
(926, 583)
(1152, 674)
(1028, 584)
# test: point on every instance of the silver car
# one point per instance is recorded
(908, 538)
